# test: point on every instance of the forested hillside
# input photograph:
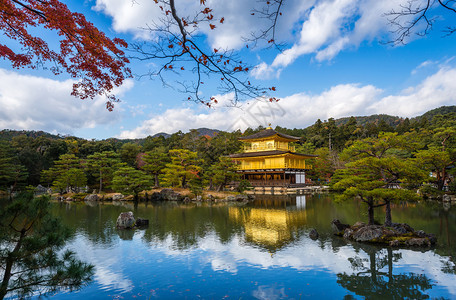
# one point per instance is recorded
(197, 158)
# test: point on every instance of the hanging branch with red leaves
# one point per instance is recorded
(84, 52)
(177, 44)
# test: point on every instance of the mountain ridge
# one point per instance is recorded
(8, 134)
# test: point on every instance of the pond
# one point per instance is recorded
(259, 250)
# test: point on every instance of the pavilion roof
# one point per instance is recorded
(268, 153)
(268, 133)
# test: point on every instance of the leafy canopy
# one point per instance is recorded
(30, 256)
(83, 51)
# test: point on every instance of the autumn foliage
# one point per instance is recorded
(83, 51)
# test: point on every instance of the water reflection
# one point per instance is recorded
(273, 227)
(374, 278)
(261, 248)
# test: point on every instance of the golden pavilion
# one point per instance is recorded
(268, 159)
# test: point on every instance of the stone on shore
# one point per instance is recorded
(91, 197)
(117, 197)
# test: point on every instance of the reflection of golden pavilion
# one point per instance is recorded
(269, 228)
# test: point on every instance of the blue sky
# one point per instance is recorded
(334, 65)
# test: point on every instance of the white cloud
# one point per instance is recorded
(36, 103)
(333, 26)
(230, 256)
(436, 90)
(264, 71)
(322, 28)
(132, 17)
(301, 110)
(323, 24)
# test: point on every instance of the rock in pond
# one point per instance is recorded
(126, 220)
(367, 233)
(338, 227)
(141, 222)
(395, 235)
(313, 234)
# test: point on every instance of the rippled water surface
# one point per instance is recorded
(257, 251)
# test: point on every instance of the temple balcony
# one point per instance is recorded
(269, 147)
(258, 165)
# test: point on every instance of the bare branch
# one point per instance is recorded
(271, 11)
(177, 46)
(416, 18)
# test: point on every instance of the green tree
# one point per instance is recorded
(436, 161)
(441, 150)
(130, 181)
(323, 166)
(70, 180)
(374, 173)
(175, 140)
(30, 240)
(154, 163)
(221, 173)
(66, 174)
(195, 184)
(12, 173)
(150, 143)
(223, 144)
(184, 166)
(129, 152)
(103, 165)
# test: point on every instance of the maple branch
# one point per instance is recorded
(38, 13)
(84, 53)
(271, 10)
(176, 41)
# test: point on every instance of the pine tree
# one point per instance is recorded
(130, 181)
(30, 240)
(374, 169)
(102, 165)
(154, 163)
(12, 173)
(223, 172)
(184, 166)
(66, 174)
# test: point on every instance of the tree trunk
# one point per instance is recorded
(9, 265)
(442, 179)
(101, 182)
(211, 186)
(370, 210)
(373, 266)
(157, 184)
(388, 219)
(390, 265)
(184, 182)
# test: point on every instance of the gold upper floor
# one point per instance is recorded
(268, 145)
(284, 161)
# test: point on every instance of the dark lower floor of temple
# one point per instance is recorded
(272, 178)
